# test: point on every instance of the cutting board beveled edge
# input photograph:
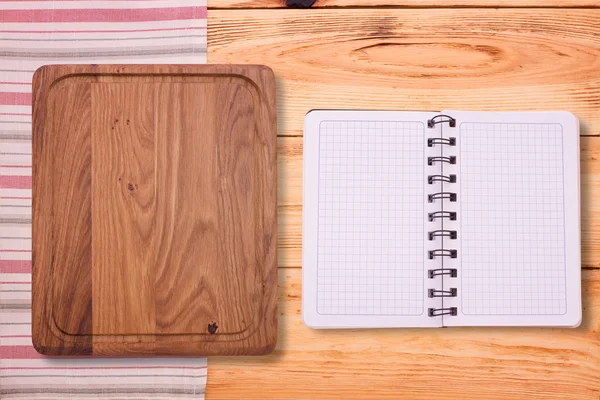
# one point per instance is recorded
(47, 337)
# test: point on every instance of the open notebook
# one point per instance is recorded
(426, 219)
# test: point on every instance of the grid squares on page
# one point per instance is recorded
(371, 218)
(512, 219)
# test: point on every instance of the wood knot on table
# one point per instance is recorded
(299, 3)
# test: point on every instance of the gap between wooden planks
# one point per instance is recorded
(453, 363)
(225, 4)
(290, 201)
(429, 59)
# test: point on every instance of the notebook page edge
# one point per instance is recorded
(570, 127)
(311, 317)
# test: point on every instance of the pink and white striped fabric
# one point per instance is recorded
(34, 33)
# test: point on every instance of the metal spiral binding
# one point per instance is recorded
(442, 271)
(436, 312)
(449, 215)
(442, 195)
(449, 160)
(443, 232)
(442, 293)
(440, 119)
(433, 141)
(441, 178)
(442, 253)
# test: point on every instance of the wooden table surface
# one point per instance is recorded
(418, 55)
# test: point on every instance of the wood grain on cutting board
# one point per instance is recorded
(154, 210)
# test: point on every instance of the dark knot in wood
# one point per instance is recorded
(299, 3)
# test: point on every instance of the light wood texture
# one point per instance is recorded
(457, 363)
(233, 4)
(427, 59)
(163, 199)
(430, 59)
(123, 202)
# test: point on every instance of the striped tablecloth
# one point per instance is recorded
(34, 33)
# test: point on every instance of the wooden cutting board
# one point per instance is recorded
(154, 210)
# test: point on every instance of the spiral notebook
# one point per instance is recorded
(456, 218)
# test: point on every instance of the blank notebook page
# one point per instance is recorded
(370, 218)
(370, 200)
(514, 262)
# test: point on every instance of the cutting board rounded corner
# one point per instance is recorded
(40, 345)
(52, 349)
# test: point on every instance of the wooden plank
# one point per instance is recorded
(419, 59)
(457, 363)
(123, 208)
(71, 267)
(290, 201)
(233, 4)
(590, 209)
(209, 220)
(62, 257)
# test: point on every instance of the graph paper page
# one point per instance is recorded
(364, 220)
(518, 221)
